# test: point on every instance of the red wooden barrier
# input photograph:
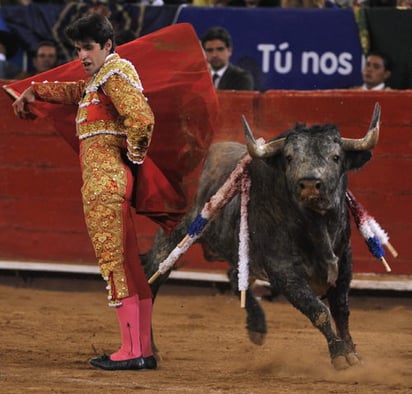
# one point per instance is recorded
(41, 216)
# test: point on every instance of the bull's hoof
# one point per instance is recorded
(353, 358)
(257, 338)
(340, 363)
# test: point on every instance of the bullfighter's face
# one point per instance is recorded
(92, 55)
(217, 54)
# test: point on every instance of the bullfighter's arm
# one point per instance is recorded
(59, 92)
(135, 113)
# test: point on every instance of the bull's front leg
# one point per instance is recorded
(338, 298)
(297, 291)
(255, 316)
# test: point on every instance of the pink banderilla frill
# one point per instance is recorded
(237, 181)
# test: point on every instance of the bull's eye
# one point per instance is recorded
(289, 158)
(336, 158)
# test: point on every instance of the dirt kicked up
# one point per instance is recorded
(49, 329)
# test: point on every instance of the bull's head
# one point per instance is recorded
(273, 147)
(316, 159)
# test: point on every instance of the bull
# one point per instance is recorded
(299, 225)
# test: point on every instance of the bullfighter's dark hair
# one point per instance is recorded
(217, 33)
(94, 27)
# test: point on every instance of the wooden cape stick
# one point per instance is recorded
(11, 92)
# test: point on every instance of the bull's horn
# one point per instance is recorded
(257, 150)
(371, 138)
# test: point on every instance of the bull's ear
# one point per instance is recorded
(356, 159)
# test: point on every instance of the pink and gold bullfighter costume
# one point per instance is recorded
(113, 117)
(114, 124)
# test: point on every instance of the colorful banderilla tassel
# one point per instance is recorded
(225, 194)
(371, 231)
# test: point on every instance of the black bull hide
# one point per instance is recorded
(299, 225)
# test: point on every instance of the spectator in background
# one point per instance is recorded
(16, 2)
(45, 58)
(236, 3)
(404, 4)
(303, 3)
(217, 44)
(211, 3)
(254, 3)
(8, 70)
(376, 71)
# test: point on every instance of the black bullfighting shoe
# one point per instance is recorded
(150, 362)
(104, 362)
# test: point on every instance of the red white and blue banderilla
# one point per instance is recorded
(373, 234)
(238, 181)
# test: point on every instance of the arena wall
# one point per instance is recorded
(41, 217)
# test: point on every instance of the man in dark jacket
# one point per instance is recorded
(217, 44)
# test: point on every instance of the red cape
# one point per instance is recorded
(177, 83)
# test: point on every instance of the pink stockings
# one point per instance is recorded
(134, 317)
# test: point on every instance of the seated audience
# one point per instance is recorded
(303, 3)
(45, 58)
(376, 71)
(404, 4)
(217, 44)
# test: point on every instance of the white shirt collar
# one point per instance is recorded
(219, 72)
(381, 86)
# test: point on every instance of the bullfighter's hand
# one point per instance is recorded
(20, 105)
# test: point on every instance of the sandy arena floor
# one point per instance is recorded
(50, 328)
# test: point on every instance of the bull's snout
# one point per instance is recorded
(309, 189)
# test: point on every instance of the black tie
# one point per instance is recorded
(215, 76)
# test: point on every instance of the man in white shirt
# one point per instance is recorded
(376, 71)
(218, 46)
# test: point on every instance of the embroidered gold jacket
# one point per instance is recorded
(112, 102)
